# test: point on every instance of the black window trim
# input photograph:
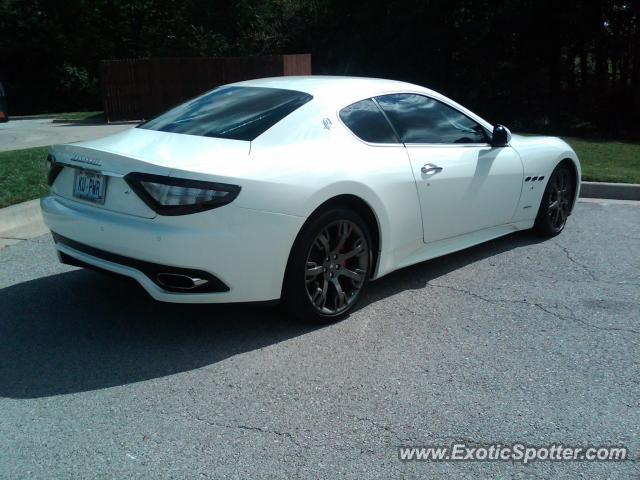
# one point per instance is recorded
(371, 144)
(386, 117)
(484, 124)
(422, 94)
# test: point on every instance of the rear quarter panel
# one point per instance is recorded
(311, 157)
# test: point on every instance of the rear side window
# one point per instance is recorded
(420, 119)
(365, 119)
(237, 113)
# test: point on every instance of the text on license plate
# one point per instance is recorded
(90, 186)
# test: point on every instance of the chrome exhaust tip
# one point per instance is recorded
(176, 281)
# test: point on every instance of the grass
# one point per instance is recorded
(23, 175)
(608, 161)
(80, 117)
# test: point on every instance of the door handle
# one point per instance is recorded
(430, 168)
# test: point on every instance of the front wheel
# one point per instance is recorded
(556, 202)
(329, 267)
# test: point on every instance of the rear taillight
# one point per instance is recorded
(53, 169)
(180, 196)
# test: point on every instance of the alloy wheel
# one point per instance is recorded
(559, 203)
(337, 266)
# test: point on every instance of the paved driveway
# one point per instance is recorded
(517, 340)
(17, 134)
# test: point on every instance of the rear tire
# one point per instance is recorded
(329, 267)
(556, 202)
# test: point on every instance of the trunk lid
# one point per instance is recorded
(146, 151)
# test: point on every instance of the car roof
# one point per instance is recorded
(335, 87)
(338, 92)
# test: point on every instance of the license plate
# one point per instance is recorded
(90, 186)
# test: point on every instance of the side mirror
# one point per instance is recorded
(501, 136)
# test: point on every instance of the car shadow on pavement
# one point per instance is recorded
(419, 275)
(80, 330)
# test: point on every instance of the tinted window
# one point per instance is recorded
(238, 113)
(365, 119)
(419, 119)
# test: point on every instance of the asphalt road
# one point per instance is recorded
(517, 340)
(27, 133)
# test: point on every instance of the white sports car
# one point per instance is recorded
(301, 189)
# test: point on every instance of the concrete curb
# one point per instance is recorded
(42, 116)
(614, 191)
(609, 201)
(21, 222)
(76, 122)
(20, 215)
(90, 123)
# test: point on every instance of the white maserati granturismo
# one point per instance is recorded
(300, 189)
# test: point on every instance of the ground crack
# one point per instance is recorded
(252, 428)
(576, 262)
(539, 307)
(386, 428)
(478, 296)
(584, 322)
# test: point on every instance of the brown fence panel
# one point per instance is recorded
(138, 89)
(294, 64)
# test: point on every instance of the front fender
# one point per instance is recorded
(540, 156)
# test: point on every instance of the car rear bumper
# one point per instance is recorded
(241, 253)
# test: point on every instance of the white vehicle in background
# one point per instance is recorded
(301, 189)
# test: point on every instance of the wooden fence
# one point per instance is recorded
(139, 89)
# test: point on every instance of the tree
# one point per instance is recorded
(533, 64)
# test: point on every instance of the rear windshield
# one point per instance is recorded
(237, 113)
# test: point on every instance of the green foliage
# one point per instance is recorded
(72, 79)
(207, 43)
(558, 66)
(606, 161)
(87, 117)
(23, 175)
(273, 25)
